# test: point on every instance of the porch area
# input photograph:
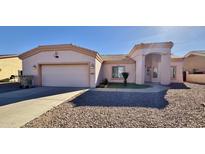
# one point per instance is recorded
(153, 68)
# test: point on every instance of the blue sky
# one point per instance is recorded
(105, 40)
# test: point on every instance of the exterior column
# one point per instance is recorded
(140, 69)
(165, 77)
(91, 75)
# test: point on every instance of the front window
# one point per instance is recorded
(117, 71)
(173, 72)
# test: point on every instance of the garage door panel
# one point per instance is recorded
(65, 75)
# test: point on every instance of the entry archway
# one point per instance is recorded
(152, 67)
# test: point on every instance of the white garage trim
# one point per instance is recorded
(58, 64)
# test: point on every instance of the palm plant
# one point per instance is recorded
(125, 76)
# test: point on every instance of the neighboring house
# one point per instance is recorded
(9, 65)
(194, 62)
(74, 66)
(194, 67)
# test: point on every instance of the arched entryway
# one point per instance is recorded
(154, 58)
(152, 67)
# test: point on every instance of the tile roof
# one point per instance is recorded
(151, 45)
(197, 52)
(8, 56)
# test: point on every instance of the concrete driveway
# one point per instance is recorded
(21, 106)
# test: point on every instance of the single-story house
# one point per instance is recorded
(9, 65)
(74, 66)
(194, 62)
(194, 67)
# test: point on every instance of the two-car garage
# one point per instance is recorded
(63, 65)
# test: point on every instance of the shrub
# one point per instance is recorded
(105, 81)
(125, 76)
(12, 77)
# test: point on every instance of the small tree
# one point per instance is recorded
(125, 76)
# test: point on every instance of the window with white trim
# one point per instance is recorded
(117, 71)
(173, 72)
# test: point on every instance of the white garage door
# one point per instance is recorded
(65, 75)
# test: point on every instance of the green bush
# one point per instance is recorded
(125, 76)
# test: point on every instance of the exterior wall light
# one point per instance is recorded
(34, 67)
(56, 55)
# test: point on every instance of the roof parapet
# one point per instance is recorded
(151, 45)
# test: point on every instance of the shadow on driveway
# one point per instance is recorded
(6, 87)
(121, 99)
(178, 86)
(33, 93)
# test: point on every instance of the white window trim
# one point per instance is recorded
(117, 77)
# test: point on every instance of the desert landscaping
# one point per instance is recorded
(186, 108)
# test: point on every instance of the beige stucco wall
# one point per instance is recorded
(107, 72)
(147, 51)
(98, 72)
(179, 71)
(194, 62)
(152, 59)
(196, 78)
(9, 66)
(64, 57)
(139, 57)
(165, 64)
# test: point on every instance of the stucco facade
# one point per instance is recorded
(196, 78)
(130, 68)
(194, 66)
(65, 57)
(162, 64)
(32, 65)
(194, 62)
(178, 63)
(9, 65)
(149, 62)
(98, 72)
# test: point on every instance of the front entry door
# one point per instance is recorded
(155, 74)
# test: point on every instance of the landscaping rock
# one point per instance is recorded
(184, 109)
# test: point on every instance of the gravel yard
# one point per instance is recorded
(185, 109)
